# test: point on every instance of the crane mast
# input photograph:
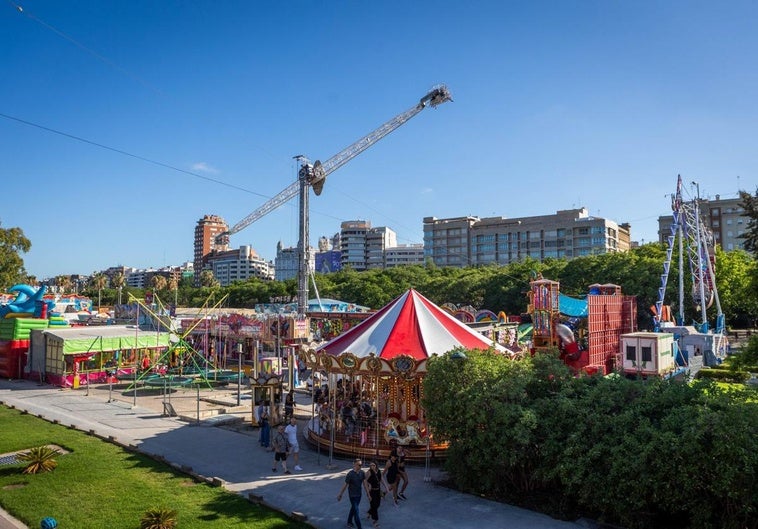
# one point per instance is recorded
(314, 175)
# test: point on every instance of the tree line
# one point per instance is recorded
(496, 288)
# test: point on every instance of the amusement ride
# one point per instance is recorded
(694, 244)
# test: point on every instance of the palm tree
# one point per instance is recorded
(207, 279)
(64, 283)
(118, 280)
(158, 283)
(100, 281)
(173, 284)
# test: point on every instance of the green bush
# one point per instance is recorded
(724, 375)
(633, 453)
(747, 355)
(39, 459)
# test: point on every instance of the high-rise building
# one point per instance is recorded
(206, 231)
(471, 241)
(362, 247)
(724, 216)
(377, 241)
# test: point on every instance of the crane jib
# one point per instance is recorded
(315, 175)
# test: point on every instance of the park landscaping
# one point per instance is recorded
(97, 484)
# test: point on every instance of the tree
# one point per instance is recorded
(737, 282)
(207, 279)
(12, 244)
(118, 281)
(173, 284)
(750, 205)
(64, 283)
(100, 281)
(158, 282)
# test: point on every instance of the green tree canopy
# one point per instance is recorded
(12, 244)
(750, 205)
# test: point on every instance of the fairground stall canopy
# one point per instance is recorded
(375, 372)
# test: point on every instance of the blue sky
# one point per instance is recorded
(557, 104)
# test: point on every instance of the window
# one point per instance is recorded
(631, 353)
(647, 353)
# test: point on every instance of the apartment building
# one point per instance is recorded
(362, 247)
(471, 241)
(724, 216)
(238, 265)
(404, 254)
(206, 231)
(286, 263)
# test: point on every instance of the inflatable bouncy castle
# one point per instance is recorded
(27, 311)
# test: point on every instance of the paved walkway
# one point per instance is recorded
(245, 468)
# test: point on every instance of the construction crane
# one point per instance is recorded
(314, 175)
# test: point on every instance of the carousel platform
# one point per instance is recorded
(367, 445)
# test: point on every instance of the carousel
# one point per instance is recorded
(367, 398)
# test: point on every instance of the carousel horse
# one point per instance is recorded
(403, 433)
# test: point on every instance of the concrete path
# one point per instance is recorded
(234, 457)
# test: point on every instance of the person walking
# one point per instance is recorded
(375, 483)
(280, 449)
(291, 431)
(391, 475)
(289, 405)
(401, 472)
(354, 481)
(265, 435)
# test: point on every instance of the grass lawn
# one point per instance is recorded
(100, 485)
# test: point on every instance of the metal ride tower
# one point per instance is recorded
(696, 246)
(314, 175)
(697, 344)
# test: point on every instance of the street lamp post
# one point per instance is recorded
(239, 371)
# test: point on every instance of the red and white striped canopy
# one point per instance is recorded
(410, 325)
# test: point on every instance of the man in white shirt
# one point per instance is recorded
(291, 431)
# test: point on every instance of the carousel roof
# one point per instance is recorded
(410, 325)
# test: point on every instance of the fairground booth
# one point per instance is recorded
(70, 357)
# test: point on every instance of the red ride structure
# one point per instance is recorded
(586, 332)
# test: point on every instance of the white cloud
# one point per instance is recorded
(427, 190)
(204, 168)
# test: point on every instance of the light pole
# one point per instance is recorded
(239, 371)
